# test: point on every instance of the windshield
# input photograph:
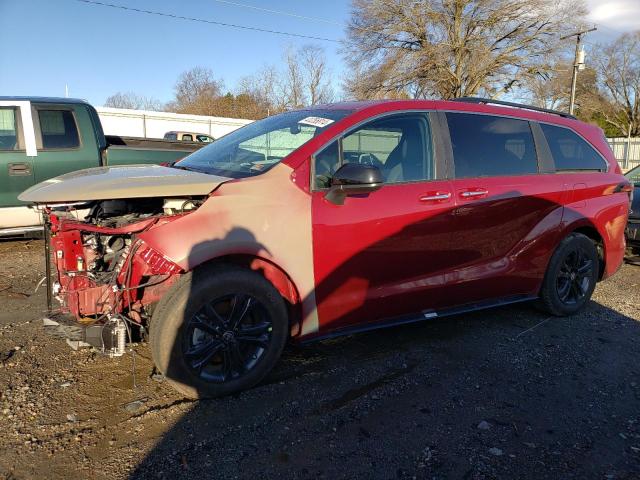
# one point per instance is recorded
(254, 149)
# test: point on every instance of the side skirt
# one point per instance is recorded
(414, 318)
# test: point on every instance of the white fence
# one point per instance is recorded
(627, 151)
(143, 123)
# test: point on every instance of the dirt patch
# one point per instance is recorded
(505, 393)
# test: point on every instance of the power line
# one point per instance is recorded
(280, 12)
(211, 22)
(318, 19)
(614, 30)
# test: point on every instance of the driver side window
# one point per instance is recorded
(399, 145)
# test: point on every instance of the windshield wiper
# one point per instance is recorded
(189, 169)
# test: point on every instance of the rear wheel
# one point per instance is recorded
(221, 330)
(571, 276)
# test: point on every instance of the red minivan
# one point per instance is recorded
(332, 220)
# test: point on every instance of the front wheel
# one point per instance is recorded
(219, 331)
(571, 276)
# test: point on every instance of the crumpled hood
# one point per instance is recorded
(129, 181)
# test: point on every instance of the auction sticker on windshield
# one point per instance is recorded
(316, 121)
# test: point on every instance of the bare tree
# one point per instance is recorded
(133, 101)
(453, 48)
(315, 74)
(196, 92)
(619, 71)
(303, 80)
(553, 89)
(264, 87)
(242, 105)
(292, 88)
(306, 79)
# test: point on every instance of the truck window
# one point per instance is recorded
(8, 136)
(490, 146)
(171, 136)
(570, 152)
(187, 137)
(58, 129)
(204, 138)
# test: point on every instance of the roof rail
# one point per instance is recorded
(488, 101)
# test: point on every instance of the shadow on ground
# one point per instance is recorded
(504, 393)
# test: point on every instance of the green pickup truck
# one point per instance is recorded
(41, 138)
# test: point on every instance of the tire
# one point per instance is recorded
(219, 330)
(571, 276)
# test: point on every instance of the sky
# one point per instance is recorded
(97, 51)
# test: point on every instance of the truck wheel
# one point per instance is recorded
(571, 276)
(219, 330)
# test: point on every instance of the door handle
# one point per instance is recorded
(436, 197)
(474, 193)
(19, 169)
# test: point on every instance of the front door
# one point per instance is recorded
(17, 156)
(382, 255)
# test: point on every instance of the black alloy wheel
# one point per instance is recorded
(575, 276)
(571, 276)
(219, 330)
(226, 337)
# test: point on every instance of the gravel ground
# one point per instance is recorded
(505, 393)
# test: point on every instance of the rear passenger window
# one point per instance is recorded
(187, 137)
(8, 135)
(489, 146)
(570, 152)
(58, 129)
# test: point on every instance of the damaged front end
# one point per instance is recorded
(107, 277)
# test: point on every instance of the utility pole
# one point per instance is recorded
(576, 64)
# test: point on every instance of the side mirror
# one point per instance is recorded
(353, 179)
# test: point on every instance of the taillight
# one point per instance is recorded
(627, 188)
(624, 187)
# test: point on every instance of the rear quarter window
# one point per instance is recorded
(570, 151)
(58, 129)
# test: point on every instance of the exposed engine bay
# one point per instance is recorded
(107, 277)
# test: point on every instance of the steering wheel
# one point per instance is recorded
(365, 159)
(369, 159)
